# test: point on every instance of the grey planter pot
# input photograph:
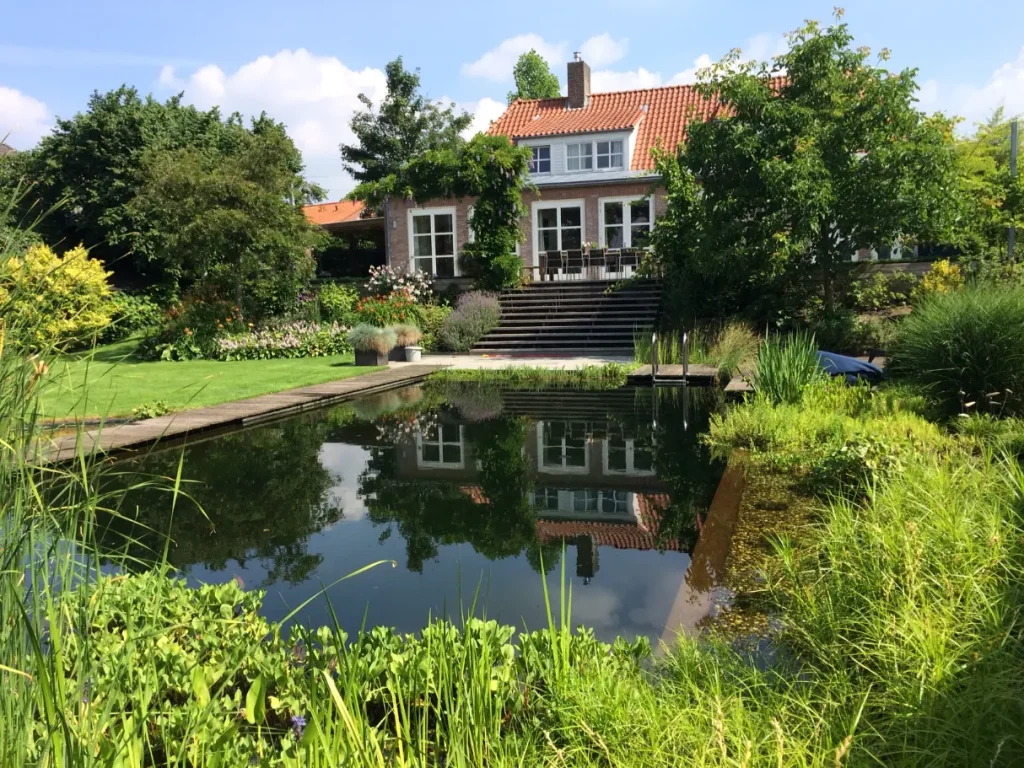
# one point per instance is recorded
(370, 357)
(413, 354)
(397, 355)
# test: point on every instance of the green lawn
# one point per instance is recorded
(110, 381)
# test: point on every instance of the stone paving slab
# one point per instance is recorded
(675, 371)
(139, 434)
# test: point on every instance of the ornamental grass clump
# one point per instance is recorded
(406, 335)
(368, 338)
(965, 348)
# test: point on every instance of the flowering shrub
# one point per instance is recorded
(62, 300)
(381, 311)
(299, 339)
(430, 318)
(943, 277)
(385, 280)
(476, 313)
(192, 327)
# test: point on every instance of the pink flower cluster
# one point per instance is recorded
(385, 280)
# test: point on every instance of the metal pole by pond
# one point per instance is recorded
(686, 357)
(1011, 236)
(654, 356)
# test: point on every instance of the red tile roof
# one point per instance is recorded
(334, 213)
(643, 535)
(659, 114)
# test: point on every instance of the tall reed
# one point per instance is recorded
(785, 366)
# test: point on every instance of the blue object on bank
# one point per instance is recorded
(853, 369)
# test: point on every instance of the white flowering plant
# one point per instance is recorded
(386, 280)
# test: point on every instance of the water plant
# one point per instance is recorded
(785, 366)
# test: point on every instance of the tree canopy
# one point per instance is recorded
(766, 202)
(534, 78)
(404, 125)
(91, 168)
(228, 221)
(995, 197)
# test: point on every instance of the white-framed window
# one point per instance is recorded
(579, 156)
(440, 446)
(558, 225)
(562, 447)
(546, 499)
(541, 160)
(627, 456)
(625, 222)
(432, 241)
(616, 503)
(609, 154)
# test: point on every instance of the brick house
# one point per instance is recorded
(595, 179)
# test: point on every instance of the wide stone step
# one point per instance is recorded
(559, 323)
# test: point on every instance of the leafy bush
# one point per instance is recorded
(943, 277)
(150, 410)
(56, 300)
(406, 335)
(193, 326)
(476, 314)
(880, 291)
(785, 366)
(369, 338)
(966, 349)
(285, 341)
(338, 302)
(386, 280)
(132, 315)
(429, 319)
(382, 311)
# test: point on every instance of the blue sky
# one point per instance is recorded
(305, 63)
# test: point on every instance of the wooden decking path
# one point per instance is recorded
(139, 434)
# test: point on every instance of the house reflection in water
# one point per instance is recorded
(594, 482)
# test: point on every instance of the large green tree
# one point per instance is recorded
(767, 202)
(230, 220)
(90, 169)
(995, 196)
(534, 78)
(405, 124)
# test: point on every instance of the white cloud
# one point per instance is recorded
(603, 81)
(603, 50)
(759, 47)
(497, 63)
(484, 112)
(976, 102)
(23, 119)
(314, 96)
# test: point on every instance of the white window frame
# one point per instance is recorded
(537, 205)
(537, 171)
(627, 227)
(440, 443)
(590, 154)
(630, 469)
(563, 469)
(598, 154)
(432, 212)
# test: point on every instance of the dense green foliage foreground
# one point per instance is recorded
(900, 640)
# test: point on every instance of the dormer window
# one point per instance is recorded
(541, 161)
(609, 154)
(580, 157)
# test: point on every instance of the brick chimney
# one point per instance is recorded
(579, 83)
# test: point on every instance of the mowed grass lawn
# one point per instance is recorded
(111, 381)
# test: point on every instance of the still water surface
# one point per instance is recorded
(468, 489)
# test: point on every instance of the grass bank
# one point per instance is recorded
(111, 381)
(610, 376)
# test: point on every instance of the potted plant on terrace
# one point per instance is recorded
(406, 337)
(371, 344)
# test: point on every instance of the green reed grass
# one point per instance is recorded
(785, 366)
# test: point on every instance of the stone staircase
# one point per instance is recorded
(572, 318)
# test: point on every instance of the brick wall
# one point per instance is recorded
(398, 216)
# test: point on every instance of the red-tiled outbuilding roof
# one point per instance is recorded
(334, 213)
